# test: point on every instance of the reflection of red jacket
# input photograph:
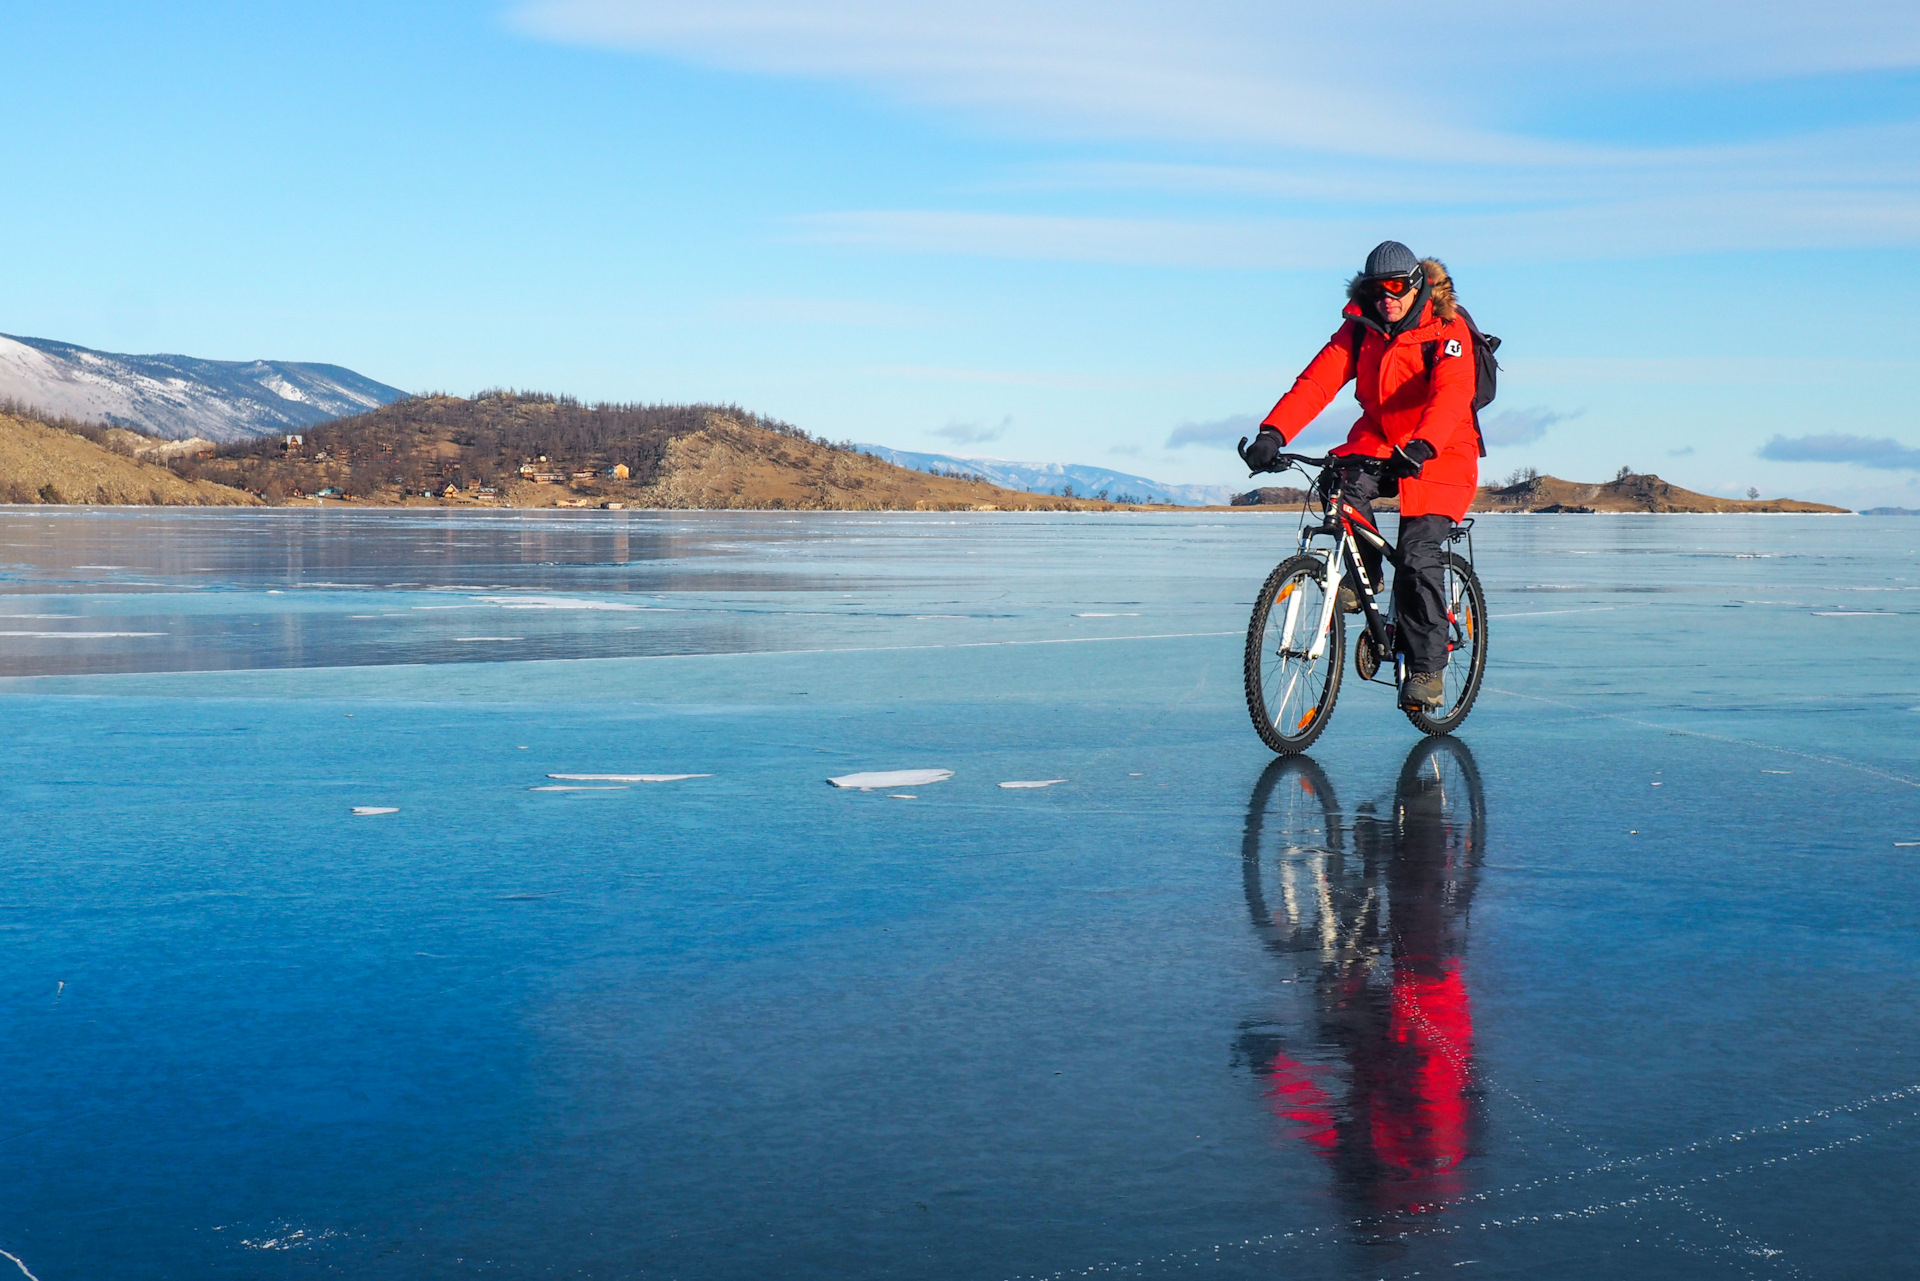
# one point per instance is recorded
(1405, 1117)
(1399, 402)
(1420, 1113)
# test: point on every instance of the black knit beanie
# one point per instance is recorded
(1390, 258)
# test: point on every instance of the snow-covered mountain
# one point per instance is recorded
(1052, 478)
(180, 396)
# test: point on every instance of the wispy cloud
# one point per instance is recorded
(1233, 71)
(1275, 80)
(1668, 218)
(1330, 427)
(1879, 452)
(1521, 426)
(1685, 451)
(974, 433)
(1219, 433)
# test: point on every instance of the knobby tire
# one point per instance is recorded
(1468, 634)
(1286, 727)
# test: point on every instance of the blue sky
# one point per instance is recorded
(1059, 231)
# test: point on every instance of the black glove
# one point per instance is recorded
(1260, 454)
(1407, 460)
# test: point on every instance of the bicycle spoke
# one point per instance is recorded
(1288, 692)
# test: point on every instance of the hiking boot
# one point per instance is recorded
(1422, 692)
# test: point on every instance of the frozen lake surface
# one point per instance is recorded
(435, 895)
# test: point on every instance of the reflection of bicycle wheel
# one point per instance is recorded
(1291, 837)
(1440, 786)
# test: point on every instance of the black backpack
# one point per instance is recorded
(1486, 370)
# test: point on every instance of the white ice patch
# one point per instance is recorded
(555, 602)
(1036, 782)
(1853, 613)
(1106, 615)
(626, 778)
(570, 788)
(892, 778)
(366, 810)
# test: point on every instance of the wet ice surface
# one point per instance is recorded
(1621, 983)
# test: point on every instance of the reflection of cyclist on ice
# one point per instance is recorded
(1409, 351)
(1381, 1082)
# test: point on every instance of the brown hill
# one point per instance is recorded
(61, 462)
(512, 450)
(1550, 494)
(1629, 493)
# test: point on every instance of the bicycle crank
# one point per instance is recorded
(1367, 657)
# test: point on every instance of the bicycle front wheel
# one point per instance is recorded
(1466, 649)
(1291, 688)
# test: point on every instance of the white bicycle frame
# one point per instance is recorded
(1335, 570)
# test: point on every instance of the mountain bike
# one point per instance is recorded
(1297, 637)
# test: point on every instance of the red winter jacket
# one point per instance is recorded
(1399, 401)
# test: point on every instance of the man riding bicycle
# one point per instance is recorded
(1410, 356)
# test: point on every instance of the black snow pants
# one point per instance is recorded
(1419, 586)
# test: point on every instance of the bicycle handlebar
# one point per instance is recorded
(1281, 462)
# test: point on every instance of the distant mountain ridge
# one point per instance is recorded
(177, 397)
(1051, 478)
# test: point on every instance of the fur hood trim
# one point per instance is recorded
(1445, 305)
(1439, 288)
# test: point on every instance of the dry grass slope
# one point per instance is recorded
(730, 464)
(40, 463)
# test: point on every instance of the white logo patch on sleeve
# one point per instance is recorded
(1453, 346)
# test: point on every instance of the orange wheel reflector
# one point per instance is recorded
(1285, 592)
(1303, 720)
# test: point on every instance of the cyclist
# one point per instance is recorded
(1410, 357)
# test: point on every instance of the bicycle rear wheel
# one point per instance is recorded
(1466, 649)
(1290, 694)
